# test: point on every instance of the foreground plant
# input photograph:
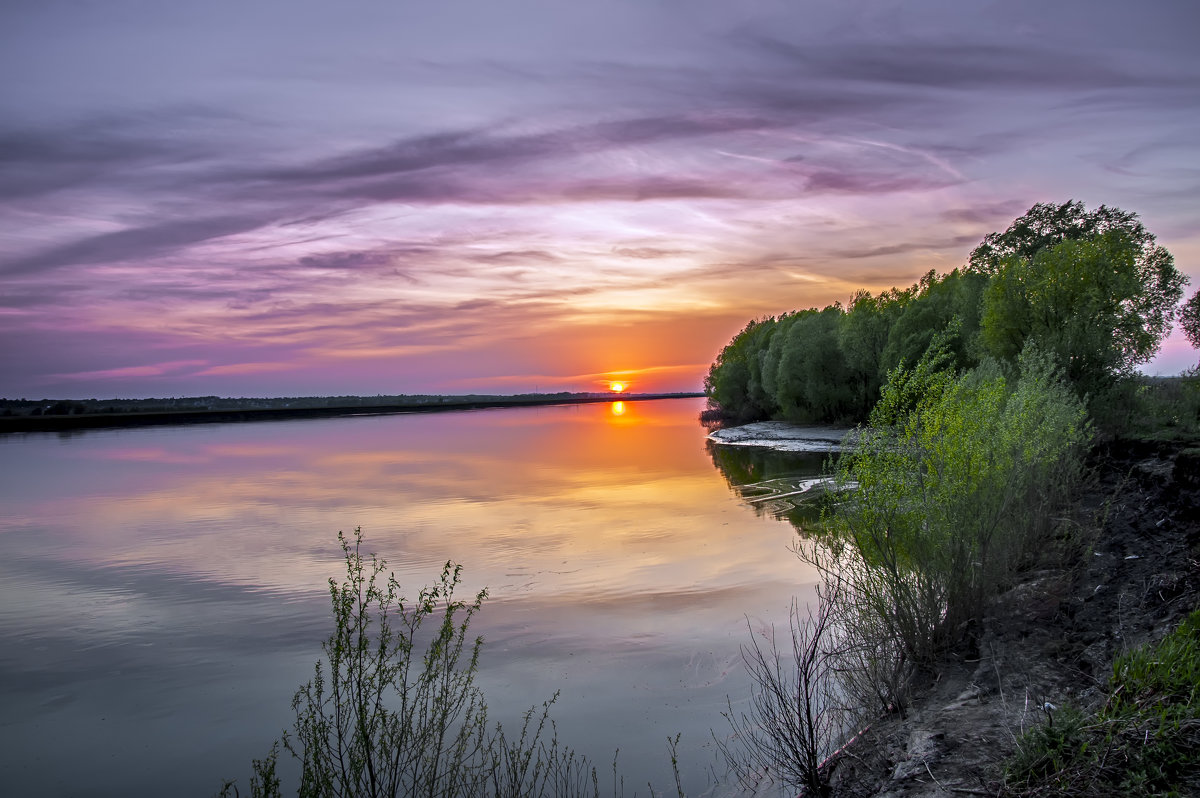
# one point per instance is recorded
(796, 716)
(393, 710)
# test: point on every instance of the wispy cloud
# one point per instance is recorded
(129, 372)
(451, 208)
(229, 369)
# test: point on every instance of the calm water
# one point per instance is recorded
(163, 591)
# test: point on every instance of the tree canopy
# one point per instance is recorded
(1189, 319)
(1092, 289)
(1045, 225)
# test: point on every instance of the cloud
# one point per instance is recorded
(128, 372)
(957, 242)
(478, 147)
(988, 213)
(33, 163)
(974, 63)
(750, 158)
(591, 378)
(867, 182)
(648, 253)
(135, 243)
(346, 260)
(244, 368)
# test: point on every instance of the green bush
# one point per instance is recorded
(949, 489)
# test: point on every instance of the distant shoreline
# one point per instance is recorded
(282, 409)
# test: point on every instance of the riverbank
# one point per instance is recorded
(45, 416)
(1123, 572)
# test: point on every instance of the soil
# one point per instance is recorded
(1124, 572)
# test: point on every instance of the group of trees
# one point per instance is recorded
(974, 387)
(1092, 289)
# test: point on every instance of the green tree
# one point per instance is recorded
(1189, 319)
(1046, 225)
(1101, 305)
(862, 338)
(935, 305)
(812, 381)
(770, 356)
(954, 483)
(735, 380)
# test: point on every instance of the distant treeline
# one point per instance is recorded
(1091, 289)
(66, 407)
(23, 415)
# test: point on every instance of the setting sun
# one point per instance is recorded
(616, 387)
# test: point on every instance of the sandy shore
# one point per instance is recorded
(785, 437)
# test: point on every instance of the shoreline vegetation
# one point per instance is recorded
(49, 415)
(1014, 536)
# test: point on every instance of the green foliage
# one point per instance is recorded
(936, 306)
(1143, 741)
(908, 390)
(1092, 288)
(862, 338)
(1046, 225)
(1101, 305)
(1189, 319)
(393, 709)
(1047, 754)
(950, 488)
(1166, 673)
(1150, 407)
(735, 380)
(346, 737)
(811, 379)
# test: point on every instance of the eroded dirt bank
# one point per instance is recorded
(1123, 573)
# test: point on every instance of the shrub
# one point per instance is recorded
(947, 491)
(796, 716)
(388, 715)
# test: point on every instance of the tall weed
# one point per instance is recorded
(393, 710)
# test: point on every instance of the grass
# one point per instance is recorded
(1142, 741)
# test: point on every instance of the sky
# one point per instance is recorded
(297, 198)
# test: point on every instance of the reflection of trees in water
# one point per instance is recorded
(784, 485)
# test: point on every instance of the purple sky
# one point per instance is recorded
(279, 198)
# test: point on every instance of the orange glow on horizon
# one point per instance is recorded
(617, 387)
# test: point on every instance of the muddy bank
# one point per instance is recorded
(1122, 573)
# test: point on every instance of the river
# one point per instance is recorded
(163, 591)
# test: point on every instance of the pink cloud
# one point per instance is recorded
(244, 368)
(128, 372)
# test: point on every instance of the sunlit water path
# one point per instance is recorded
(163, 591)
